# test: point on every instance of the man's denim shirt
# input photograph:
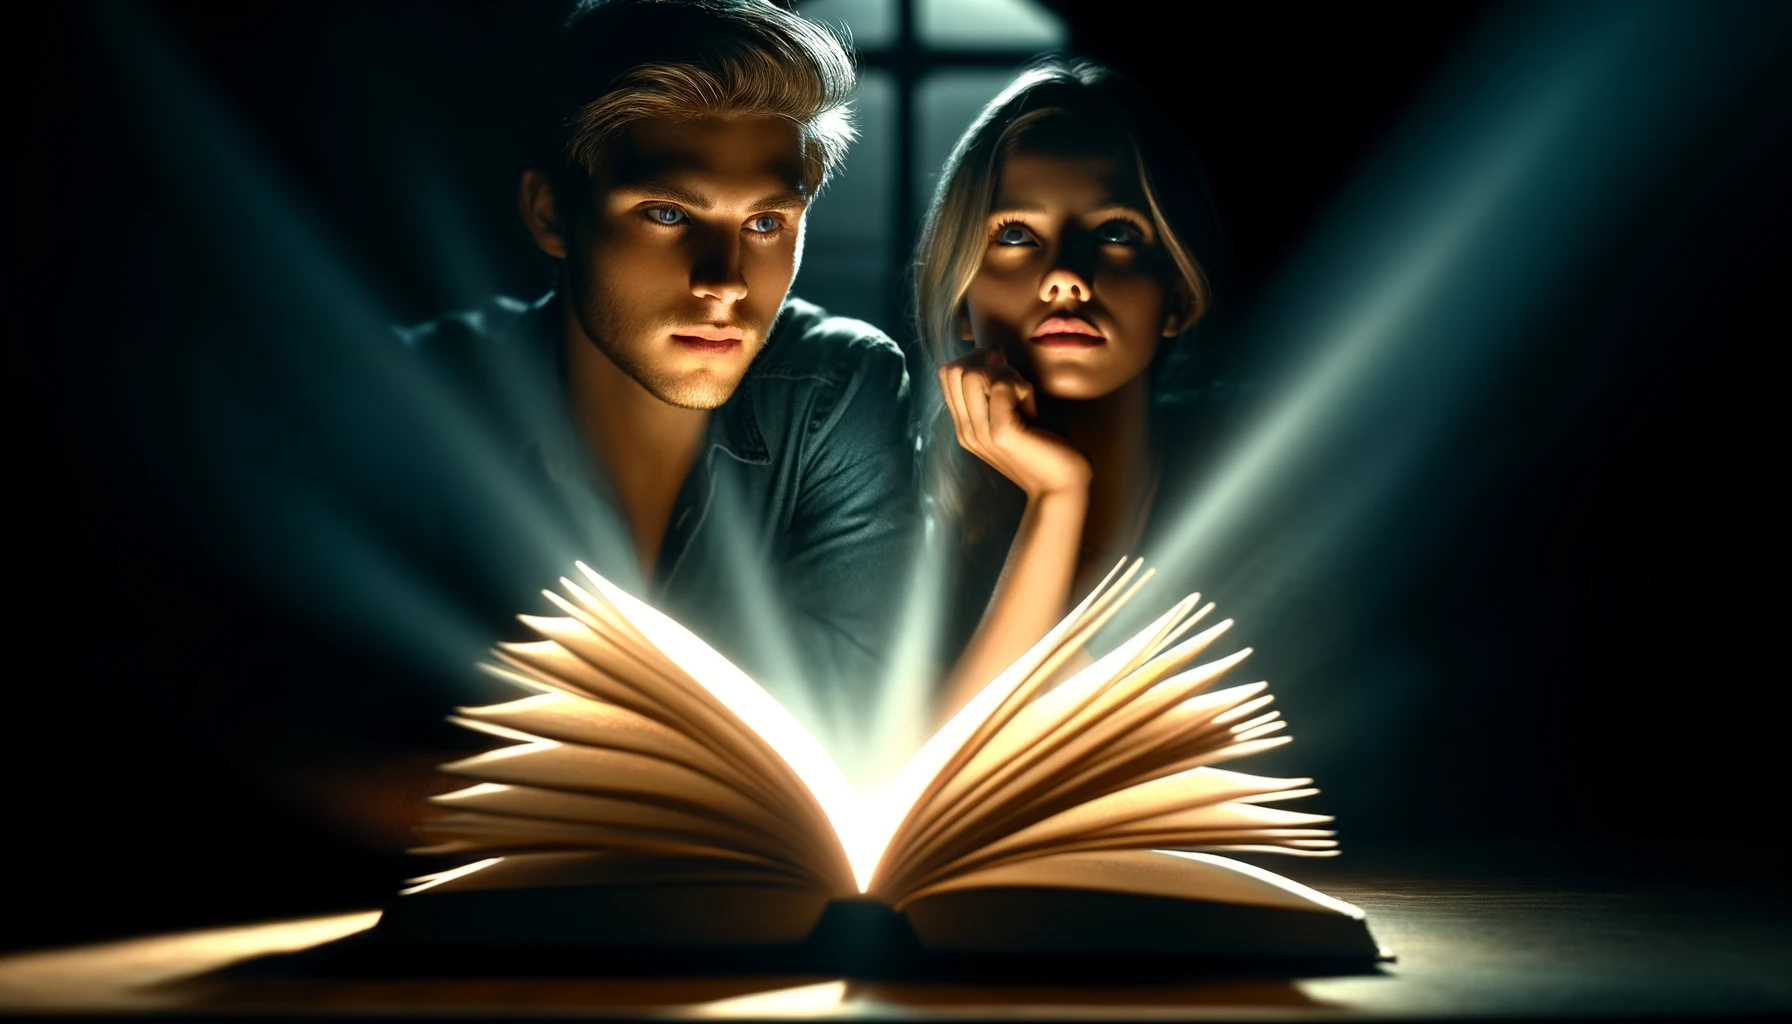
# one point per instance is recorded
(790, 542)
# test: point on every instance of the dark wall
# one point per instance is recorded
(1593, 628)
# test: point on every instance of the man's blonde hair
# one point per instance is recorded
(626, 61)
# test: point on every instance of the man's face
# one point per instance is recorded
(688, 247)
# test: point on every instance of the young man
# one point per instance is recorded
(755, 453)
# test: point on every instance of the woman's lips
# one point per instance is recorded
(1067, 332)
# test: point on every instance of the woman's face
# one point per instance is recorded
(1075, 285)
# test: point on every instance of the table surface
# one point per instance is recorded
(1469, 942)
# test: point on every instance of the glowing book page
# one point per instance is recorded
(1018, 789)
(1037, 722)
(565, 718)
(529, 805)
(592, 775)
(570, 869)
(1171, 873)
(1204, 807)
(569, 666)
(641, 714)
(694, 759)
(1193, 727)
(969, 797)
(1089, 767)
(1142, 808)
(617, 651)
(477, 833)
(619, 774)
(910, 803)
(584, 654)
(543, 795)
(775, 727)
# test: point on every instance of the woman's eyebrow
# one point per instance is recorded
(1133, 208)
(1120, 207)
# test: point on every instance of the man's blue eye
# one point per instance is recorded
(763, 225)
(1119, 232)
(668, 215)
(1014, 234)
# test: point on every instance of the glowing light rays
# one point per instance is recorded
(309, 417)
(315, 431)
(1383, 332)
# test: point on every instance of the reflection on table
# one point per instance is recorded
(1489, 945)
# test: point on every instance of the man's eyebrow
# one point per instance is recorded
(697, 201)
(782, 201)
(669, 192)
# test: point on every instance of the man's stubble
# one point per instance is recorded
(629, 341)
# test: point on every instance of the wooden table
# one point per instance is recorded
(1486, 946)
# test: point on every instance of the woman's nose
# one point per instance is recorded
(1061, 284)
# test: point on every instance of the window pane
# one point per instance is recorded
(945, 103)
(868, 24)
(988, 25)
(851, 228)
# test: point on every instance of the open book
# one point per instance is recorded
(656, 796)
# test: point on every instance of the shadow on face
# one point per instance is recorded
(679, 262)
(1075, 285)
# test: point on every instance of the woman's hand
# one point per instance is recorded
(993, 409)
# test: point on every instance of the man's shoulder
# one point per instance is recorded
(809, 343)
(830, 376)
(498, 321)
(487, 358)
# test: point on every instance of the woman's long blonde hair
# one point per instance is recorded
(1054, 94)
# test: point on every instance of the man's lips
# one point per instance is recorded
(1067, 331)
(708, 337)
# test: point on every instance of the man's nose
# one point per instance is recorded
(717, 272)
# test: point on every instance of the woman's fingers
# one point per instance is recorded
(1019, 387)
(1029, 404)
(991, 406)
(966, 392)
(975, 359)
(950, 392)
(975, 389)
(1005, 418)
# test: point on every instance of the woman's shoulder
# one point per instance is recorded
(1197, 424)
(1217, 403)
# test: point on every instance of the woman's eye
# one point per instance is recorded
(764, 225)
(1119, 232)
(667, 215)
(1014, 234)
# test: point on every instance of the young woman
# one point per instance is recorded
(1057, 274)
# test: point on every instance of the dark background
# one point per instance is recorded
(1591, 640)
